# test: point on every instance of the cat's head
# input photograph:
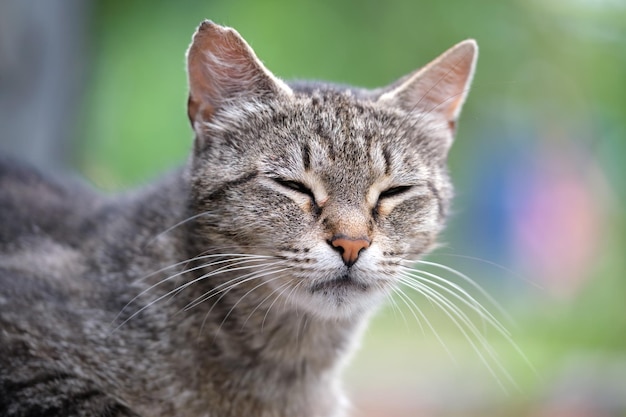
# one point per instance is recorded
(334, 188)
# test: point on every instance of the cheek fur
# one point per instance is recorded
(416, 214)
(255, 215)
(412, 226)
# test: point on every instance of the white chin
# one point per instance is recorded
(339, 303)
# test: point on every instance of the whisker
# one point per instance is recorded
(469, 301)
(236, 261)
(397, 310)
(247, 293)
(180, 223)
(227, 268)
(227, 287)
(482, 311)
(275, 291)
(202, 257)
(411, 304)
(169, 293)
(408, 281)
(225, 291)
(503, 268)
(471, 282)
(244, 278)
(301, 328)
(403, 297)
(274, 302)
(503, 331)
(465, 325)
(231, 285)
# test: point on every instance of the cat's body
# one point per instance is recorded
(67, 272)
(292, 219)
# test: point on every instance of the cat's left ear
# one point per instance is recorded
(439, 88)
(222, 69)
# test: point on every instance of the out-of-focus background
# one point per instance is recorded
(99, 87)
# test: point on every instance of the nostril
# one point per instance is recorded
(336, 246)
(349, 248)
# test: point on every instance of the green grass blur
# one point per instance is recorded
(550, 72)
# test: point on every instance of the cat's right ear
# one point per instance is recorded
(223, 68)
(440, 88)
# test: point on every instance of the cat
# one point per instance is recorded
(239, 284)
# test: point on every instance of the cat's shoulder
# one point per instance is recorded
(19, 179)
(32, 202)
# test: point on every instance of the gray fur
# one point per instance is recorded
(107, 309)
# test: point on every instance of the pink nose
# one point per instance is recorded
(349, 248)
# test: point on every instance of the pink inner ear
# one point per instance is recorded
(221, 67)
(206, 65)
(441, 86)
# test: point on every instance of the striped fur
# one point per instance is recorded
(224, 289)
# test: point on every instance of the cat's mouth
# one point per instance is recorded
(342, 282)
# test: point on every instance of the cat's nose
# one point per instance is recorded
(349, 248)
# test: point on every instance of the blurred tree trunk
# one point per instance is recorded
(43, 47)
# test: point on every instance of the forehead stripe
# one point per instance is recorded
(435, 193)
(233, 183)
(306, 157)
(387, 156)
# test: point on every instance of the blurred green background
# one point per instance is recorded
(538, 165)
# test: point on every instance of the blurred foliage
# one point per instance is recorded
(549, 72)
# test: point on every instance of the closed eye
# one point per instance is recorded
(295, 186)
(394, 191)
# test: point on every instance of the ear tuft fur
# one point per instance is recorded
(440, 87)
(222, 67)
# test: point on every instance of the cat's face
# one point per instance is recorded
(335, 190)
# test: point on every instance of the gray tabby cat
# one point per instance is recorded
(238, 285)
